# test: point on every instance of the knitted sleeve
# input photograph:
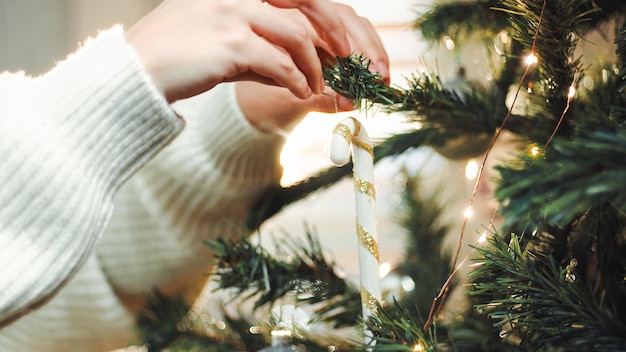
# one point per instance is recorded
(200, 187)
(69, 140)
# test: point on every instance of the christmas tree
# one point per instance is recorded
(551, 275)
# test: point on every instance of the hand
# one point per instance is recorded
(189, 46)
(274, 108)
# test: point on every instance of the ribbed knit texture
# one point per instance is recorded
(199, 187)
(70, 139)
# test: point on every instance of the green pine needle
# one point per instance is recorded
(307, 275)
(538, 304)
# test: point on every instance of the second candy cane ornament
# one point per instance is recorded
(350, 134)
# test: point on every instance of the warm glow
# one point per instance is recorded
(407, 283)
(418, 347)
(281, 332)
(471, 170)
(449, 42)
(535, 151)
(531, 59)
(468, 212)
(482, 238)
(306, 149)
(384, 269)
(572, 92)
(504, 37)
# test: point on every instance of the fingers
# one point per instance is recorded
(372, 47)
(325, 20)
(295, 36)
(275, 68)
(292, 32)
(365, 40)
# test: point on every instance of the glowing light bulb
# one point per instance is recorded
(482, 238)
(471, 170)
(535, 151)
(572, 92)
(384, 269)
(468, 212)
(418, 347)
(531, 59)
(449, 42)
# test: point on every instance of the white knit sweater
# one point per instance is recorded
(70, 139)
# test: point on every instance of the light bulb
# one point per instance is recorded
(572, 92)
(531, 59)
(468, 212)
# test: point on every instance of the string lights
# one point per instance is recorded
(531, 59)
(418, 347)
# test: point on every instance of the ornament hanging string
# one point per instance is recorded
(350, 134)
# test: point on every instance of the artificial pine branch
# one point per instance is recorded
(169, 324)
(351, 78)
(540, 305)
(570, 193)
(425, 261)
(574, 173)
(307, 275)
(398, 329)
(444, 115)
(426, 100)
(598, 245)
(158, 324)
(550, 31)
(571, 177)
(460, 20)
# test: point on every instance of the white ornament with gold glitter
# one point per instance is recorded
(350, 133)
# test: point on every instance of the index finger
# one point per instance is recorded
(324, 19)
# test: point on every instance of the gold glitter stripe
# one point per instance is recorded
(367, 241)
(368, 300)
(365, 187)
(368, 148)
(344, 131)
(357, 126)
(359, 143)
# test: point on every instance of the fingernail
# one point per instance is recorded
(383, 69)
(307, 93)
(373, 67)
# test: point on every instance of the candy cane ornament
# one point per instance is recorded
(350, 133)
